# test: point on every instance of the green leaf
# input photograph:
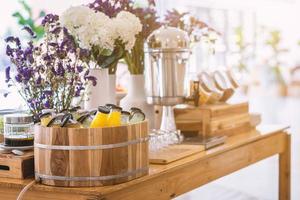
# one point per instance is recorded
(26, 8)
(42, 14)
(20, 18)
(105, 52)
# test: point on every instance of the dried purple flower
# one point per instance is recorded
(110, 8)
(53, 66)
(30, 31)
(9, 50)
(47, 92)
(60, 70)
(7, 74)
(38, 80)
(12, 39)
(92, 79)
(47, 104)
(49, 19)
(79, 68)
(18, 78)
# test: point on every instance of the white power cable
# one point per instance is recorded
(22, 193)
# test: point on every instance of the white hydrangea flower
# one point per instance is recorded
(127, 27)
(92, 28)
(89, 27)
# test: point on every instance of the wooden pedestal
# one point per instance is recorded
(12, 166)
(213, 120)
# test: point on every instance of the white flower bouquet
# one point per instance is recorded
(107, 39)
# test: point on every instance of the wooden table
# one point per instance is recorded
(169, 181)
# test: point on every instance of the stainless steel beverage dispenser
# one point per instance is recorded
(166, 57)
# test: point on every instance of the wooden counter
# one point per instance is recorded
(169, 181)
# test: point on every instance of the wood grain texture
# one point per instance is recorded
(214, 120)
(173, 153)
(91, 163)
(12, 166)
(285, 171)
(168, 181)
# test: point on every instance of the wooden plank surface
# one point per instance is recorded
(167, 181)
(13, 166)
(173, 153)
(285, 171)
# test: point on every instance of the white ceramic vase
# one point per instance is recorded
(112, 88)
(99, 94)
(136, 97)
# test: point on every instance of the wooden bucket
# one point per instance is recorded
(91, 156)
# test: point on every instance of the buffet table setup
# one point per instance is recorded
(74, 141)
(171, 180)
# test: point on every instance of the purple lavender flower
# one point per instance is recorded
(9, 50)
(92, 79)
(18, 78)
(60, 70)
(110, 8)
(48, 67)
(56, 30)
(49, 19)
(15, 40)
(78, 90)
(30, 31)
(38, 80)
(47, 104)
(7, 74)
(79, 68)
(47, 92)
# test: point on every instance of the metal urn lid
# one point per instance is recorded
(168, 39)
(18, 119)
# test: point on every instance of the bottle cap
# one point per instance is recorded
(103, 109)
(125, 113)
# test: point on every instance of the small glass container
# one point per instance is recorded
(136, 116)
(18, 130)
(125, 117)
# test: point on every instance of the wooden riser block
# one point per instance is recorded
(214, 120)
(12, 166)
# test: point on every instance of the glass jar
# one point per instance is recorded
(18, 130)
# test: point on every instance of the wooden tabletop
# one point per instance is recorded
(155, 170)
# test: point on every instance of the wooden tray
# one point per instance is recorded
(12, 166)
(173, 153)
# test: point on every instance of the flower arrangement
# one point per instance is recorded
(25, 17)
(134, 56)
(49, 74)
(197, 29)
(107, 37)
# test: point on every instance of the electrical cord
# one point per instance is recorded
(22, 193)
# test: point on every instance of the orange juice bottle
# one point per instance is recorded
(114, 118)
(101, 118)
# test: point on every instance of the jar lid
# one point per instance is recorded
(18, 119)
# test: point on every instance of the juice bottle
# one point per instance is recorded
(114, 118)
(101, 118)
(125, 117)
(45, 118)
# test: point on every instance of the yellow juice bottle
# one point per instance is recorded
(114, 118)
(101, 118)
(45, 118)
